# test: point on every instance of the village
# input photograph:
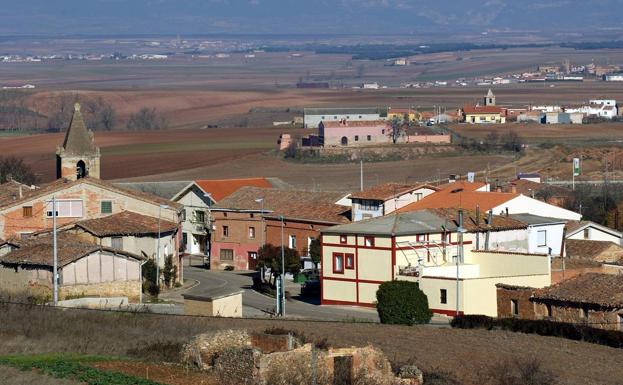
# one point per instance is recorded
(474, 247)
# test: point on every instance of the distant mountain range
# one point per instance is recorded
(304, 16)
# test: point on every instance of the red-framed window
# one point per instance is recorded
(368, 241)
(349, 261)
(343, 239)
(338, 263)
(420, 237)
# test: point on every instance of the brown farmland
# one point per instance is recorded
(465, 353)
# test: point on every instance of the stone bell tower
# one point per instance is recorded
(78, 157)
(490, 98)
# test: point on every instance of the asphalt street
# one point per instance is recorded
(211, 282)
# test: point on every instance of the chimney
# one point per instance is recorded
(498, 189)
(507, 211)
(513, 188)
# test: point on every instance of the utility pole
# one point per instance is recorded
(55, 246)
(283, 273)
(160, 207)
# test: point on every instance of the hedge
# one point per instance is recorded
(577, 332)
(402, 303)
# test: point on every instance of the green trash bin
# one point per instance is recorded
(300, 278)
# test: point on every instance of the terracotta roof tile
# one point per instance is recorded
(456, 196)
(126, 223)
(598, 251)
(590, 288)
(39, 251)
(470, 109)
(222, 188)
(306, 205)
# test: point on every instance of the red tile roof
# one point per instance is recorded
(590, 288)
(460, 195)
(39, 251)
(126, 223)
(469, 109)
(222, 188)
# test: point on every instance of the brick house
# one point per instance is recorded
(85, 269)
(251, 217)
(79, 193)
(591, 298)
(386, 198)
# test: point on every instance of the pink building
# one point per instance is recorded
(354, 133)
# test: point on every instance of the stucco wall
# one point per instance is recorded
(100, 267)
(595, 234)
(523, 204)
(229, 306)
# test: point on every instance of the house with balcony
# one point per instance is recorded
(386, 198)
(457, 262)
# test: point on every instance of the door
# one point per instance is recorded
(252, 258)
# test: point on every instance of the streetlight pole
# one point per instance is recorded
(160, 207)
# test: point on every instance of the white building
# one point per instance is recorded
(313, 116)
(591, 231)
(386, 198)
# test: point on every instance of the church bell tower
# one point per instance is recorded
(78, 157)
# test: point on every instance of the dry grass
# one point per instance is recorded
(462, 353)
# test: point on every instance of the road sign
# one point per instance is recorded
(576, 166)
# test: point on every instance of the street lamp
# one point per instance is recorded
(158, 252)
(283, 272)
(261, 202)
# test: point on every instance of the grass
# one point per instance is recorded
(72, 367)
(20, 377)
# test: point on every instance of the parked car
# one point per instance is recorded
(311, 289)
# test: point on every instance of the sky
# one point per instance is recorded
(111, 17)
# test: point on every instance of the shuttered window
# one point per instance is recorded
(106, 207)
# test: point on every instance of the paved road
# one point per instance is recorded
(258, 304)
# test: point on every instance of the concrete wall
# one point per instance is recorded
(523, 204)
(596, 234)
(226, 306)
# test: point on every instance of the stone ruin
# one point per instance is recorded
(238, 357)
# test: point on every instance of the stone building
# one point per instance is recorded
(85, 269)
(78, 157)
(592, 299)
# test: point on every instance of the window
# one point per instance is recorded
(251, 232)
(356, 138)
(292, 241)
(24, 235)
(369, 137)
(70, 208)
(200, 216)
(252, 255)
(383, 131)
(541, 238)
(27, 211)
(183, 214)
(620, 322)
(368, 205)
(338, 263)
(514, 307)
(548, 309)
(226, 231)
(420, 238)
(227, 255)
(106, 207)
(116, 243)
(360, 116)
(343, 239)
(184, 239)
(586, 233)
(443, 296)
(368, 241)
(584, 312)
(350, 261)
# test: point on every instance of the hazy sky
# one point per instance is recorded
(304, 16)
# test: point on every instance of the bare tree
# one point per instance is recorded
(14, 168)
(147, 119)
(361, 70)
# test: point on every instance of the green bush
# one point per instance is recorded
(402, 303)
(149, 278)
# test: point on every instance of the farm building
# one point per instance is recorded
(354, 133)
(593, 299)
(314, 116)
(424, 246)
(85, 269)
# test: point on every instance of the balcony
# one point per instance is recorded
(466, 271)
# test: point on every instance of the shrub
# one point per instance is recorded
(519, 372)
(170, 271)
(473, 322)
(402, 303)
(229, 268)
(149, 278)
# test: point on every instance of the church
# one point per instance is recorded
(487, 113)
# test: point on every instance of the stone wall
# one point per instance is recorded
(506, 294)
(574, 313)
(130, 289)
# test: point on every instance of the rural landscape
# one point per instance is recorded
(339, 193)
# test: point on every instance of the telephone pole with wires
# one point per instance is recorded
(55, 252)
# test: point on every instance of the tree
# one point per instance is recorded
(149, 278)
(170, 271)
(14, 168)
(492, 140)
(402, 303)
(100, 115)
(147, 119)
(512, 141)
(270, 256)
(315, 251)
